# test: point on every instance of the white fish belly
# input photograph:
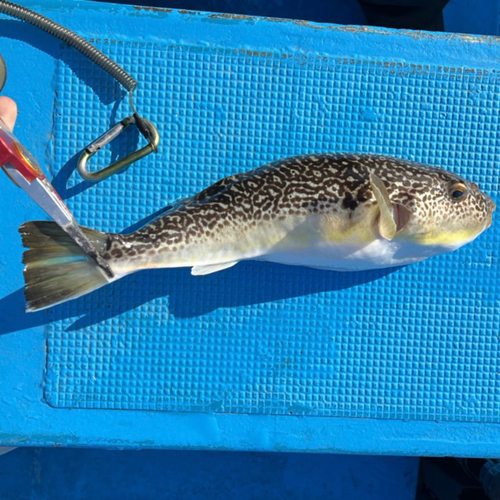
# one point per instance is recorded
(377, 254)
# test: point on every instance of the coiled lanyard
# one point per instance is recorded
(145, 127)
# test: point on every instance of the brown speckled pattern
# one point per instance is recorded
(337, 184)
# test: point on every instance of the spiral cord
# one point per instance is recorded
(70, 38)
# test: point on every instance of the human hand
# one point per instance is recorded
(8, 112)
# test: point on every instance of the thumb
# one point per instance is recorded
(8, 111)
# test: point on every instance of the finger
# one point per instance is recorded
(8, 111)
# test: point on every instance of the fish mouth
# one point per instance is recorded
(493, 205)
(489, 220)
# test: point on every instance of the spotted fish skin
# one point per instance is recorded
(331, 211)
(316, 210)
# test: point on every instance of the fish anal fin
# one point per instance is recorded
(211, 268)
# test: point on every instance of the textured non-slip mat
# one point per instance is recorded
(420, 343)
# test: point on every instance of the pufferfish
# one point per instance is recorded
(341, 212)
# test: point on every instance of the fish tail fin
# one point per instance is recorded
(57, 269)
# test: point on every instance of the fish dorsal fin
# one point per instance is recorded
(211, 268)
(387, 224)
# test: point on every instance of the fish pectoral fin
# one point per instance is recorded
(211, 268)
(401, 216)
(387, 223)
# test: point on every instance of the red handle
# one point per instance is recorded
(12, 151)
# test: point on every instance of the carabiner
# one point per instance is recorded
(147, 129)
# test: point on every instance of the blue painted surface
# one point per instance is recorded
(422, 376)
(460, 16)
(323, 11)
(47, 474)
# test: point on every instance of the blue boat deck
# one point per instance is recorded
(260, 357)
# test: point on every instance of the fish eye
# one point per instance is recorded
(458, 190)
